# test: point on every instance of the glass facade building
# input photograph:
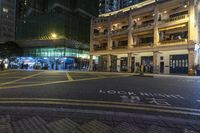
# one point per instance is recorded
(106, 6)
(56, 52)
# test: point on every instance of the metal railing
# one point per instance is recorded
(143, 27)
(100, 34)
(118, 31)
(173, 41)
(174, 18)
(144, 44)
(100, 48)
(120, 47)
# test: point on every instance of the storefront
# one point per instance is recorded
(49, 58)
(179, 64)
(147, 62)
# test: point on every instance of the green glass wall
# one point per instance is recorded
(55, 52)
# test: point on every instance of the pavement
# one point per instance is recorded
(171, 97)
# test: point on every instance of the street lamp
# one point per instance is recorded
(53, 35)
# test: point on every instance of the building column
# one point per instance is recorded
(156, 31)
(130, 28)
(192, 59)
(108, 63)
(129, 62)
(91, 36)
(156, 62)
(110, 41)
(91, 63)
(192, 25)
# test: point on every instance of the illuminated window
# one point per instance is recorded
(5, 10)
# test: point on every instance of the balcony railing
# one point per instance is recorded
(173, 41)
(100, 48)
(120, 47)
(100, 34)
(144, 45)
(143, 27)
(174, 19)
(119, 31)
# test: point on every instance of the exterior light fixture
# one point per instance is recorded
(54, 35)
(165, 11)
(185, 6)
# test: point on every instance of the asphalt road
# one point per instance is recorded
(108, 91)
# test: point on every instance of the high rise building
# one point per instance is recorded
(7, 20)
(162, 36)
(68, 18)
(106, 6)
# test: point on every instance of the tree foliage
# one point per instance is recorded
(10, 49)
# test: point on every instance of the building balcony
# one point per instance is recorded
(174, 42)
(174, 21)
(100, 48)
(100, 20)
(143, 27)
(119, 31)
(100, 35)
(120, 47)
(141, 45)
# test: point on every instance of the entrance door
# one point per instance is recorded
(102, 66)
(161, 67)
(113, 63)
(179, 64)
(124, 64)
(133, 64)
(147, 61)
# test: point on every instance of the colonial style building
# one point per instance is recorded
(162, 35)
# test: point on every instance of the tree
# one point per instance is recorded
(10, 49)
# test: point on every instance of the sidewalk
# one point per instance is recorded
(56, 120)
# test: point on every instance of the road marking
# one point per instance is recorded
(56, 82)
(100, 102)
(7, 73)
(144, 108)
(27, 77)
(69, 77)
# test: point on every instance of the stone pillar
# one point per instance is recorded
(129, 62)
(192, 59)
(108, 63)
(156, 31)
(192, 26)
(91, 63)
(109, 42)
(130, 28)
(91, 35)
(135, 40)
(156, 62)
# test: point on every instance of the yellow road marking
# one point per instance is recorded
(99, 102)
(27, 77)
(170, 110)
(56, 82)
(69, 77)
